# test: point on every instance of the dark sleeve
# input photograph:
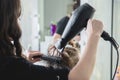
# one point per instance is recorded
(62, 24)
(37, 72)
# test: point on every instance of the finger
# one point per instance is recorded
(59, 54)
(50, 50)
(54, 52)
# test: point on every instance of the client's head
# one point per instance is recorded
(70, 56)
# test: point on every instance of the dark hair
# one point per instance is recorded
(61, 25)
(10, 11)
(76, 4)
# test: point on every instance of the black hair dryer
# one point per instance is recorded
(77, 22)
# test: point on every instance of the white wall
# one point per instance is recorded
(116, 30)
(29, 24)
(103, 13)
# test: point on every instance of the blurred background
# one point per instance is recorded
(38, 15)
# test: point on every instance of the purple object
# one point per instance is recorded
(52, 29)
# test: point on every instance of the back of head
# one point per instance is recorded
(70, 56)
(10, 11)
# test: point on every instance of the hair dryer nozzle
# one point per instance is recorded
(77, 22)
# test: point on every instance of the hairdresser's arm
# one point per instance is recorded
(85, 66)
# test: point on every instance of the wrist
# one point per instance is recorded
(94, 38)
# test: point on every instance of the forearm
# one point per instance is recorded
(84, 68)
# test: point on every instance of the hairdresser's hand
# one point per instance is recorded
(52, 51)
(31, 54)
(94, 28)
